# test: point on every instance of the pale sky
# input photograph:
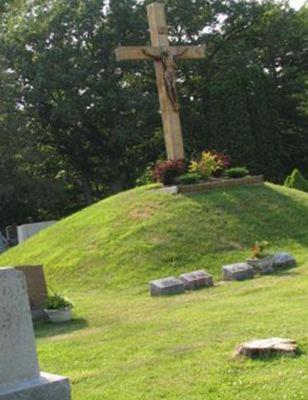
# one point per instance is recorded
(297, 3)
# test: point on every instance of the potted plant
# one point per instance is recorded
(262, 261)
(58, 309)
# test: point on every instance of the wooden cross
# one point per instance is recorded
(164, 57)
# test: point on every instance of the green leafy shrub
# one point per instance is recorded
(296, 181)
(189, 178)
(236, 172)
(208, 164)
(146, 178)
(57, 302)
(166, 171)
(224, 161)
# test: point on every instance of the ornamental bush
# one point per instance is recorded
(189, 178)
(224, 160)
(208, 164)
(236, 172)
(167, 171)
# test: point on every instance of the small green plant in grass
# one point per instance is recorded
(57, 302)
(236, 172)
(296, 181)
(189, 178)
(259, 250)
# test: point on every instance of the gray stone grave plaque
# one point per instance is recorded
(196, 280)
(20, 377)
(284, 260)
(237, 272)
(166, 286)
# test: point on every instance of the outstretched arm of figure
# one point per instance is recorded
(179, 53)
(155, 56)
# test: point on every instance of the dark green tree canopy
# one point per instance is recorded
(76, 122)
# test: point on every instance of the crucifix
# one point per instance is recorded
(164, 57)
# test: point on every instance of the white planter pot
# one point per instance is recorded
(58, 316)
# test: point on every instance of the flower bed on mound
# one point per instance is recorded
(209, 171)
(214, 183)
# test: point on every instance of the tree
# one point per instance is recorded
(85, 126)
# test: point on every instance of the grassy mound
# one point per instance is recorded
(125, 345)
(138, 235)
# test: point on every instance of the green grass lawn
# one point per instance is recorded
(123, 344)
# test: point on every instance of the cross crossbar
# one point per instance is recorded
(140, 52)
(164, 57)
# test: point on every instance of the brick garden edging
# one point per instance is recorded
(221, 183)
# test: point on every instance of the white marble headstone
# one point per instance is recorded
(17, 345)
(20, 377)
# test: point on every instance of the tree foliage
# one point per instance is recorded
(76, 126)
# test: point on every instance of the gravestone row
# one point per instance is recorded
(247, 270)
(189, 281)
(232, 272)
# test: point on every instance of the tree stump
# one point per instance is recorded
(267, 347)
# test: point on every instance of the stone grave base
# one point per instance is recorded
(46, 387)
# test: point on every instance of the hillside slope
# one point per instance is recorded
(125, 345)
(141, 234)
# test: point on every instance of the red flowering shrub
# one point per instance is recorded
(166, 171)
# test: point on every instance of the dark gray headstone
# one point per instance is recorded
(238, 272)
(37, 289)
(284, 260)
(263, 265)
(196, 280)
(166, 286)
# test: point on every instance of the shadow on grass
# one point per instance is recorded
(48, 329)
(276, 357)
(286, 272)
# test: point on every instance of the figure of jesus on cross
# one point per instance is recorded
(164, 57)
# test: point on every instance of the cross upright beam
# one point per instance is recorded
(164, 57)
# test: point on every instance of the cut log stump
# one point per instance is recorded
(265, 348)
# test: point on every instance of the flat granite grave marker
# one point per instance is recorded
(37, 288)
(238, 272)
(166, 286)
(196, 280)
(284, 260)
(20, 377)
